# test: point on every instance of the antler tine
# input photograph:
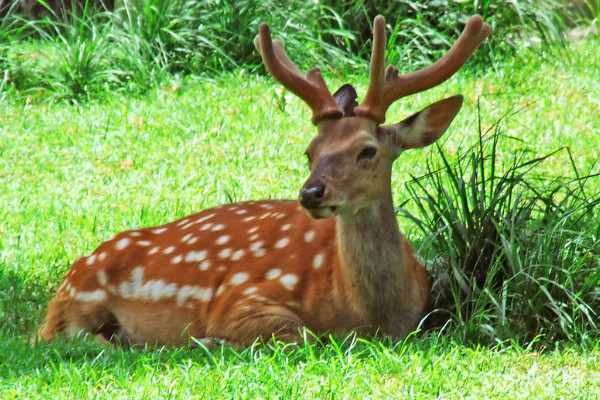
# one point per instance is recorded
(386, 88)
(376, 72)
(312, 88)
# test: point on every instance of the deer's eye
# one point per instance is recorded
(367, 153)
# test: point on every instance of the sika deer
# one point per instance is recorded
(248, 271)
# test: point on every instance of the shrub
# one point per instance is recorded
(512, 254)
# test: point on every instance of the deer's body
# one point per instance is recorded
(333, 262)
(207, 276)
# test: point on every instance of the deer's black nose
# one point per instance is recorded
(311, 195)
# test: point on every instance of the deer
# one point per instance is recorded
(331, 262)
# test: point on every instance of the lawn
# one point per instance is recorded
(72, 176)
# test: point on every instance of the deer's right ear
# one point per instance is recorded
(345, 98)
(423, 128)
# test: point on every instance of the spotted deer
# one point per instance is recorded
(332, 262)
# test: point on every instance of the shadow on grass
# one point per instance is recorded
(22, 302)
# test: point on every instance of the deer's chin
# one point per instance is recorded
(321, 212)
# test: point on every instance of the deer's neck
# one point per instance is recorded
(371, 252)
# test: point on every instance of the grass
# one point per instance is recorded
(348, 368)
(73, 174)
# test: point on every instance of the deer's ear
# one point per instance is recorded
(345, 98)
(423, 128)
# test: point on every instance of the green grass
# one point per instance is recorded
(347, 369)
(72, 176)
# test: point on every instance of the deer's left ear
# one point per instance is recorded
(423, 128)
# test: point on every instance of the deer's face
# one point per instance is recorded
(351, 158)
(347, 166)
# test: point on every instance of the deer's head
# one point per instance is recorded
(351, 157)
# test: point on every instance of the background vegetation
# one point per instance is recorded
(85, 51)
(112, 120)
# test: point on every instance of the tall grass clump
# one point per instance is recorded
(153, 40)
(78, 65)
(421, 31)
(189, 36)
(513, 254)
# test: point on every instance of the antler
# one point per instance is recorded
(312, 88)
(386, 88)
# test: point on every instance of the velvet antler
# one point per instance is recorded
(310, 88)
(385, 87)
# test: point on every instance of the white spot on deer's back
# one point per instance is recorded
(239, 278)
(220, 290)
(242, 211)
(194, 292)
(252, 230)
(94, 295)
(186, 237)
(177, 259)
(251, 290)
(206, 227)
(318, 260)
(218, 227)
(238, 254)
(154, 250)
(192, 240)
(91, 259)
(183, 222)
(309, 236)
(289, 281)
(156, 289)
(121, 244)
(205, 265)
(222, 239)
(273, 273)
(224, 253)
(195, 256)
(206, 217)
(102, 256)
(137, 277)
(135, 233)
(158, 231)
(286, 227)
(102, 278)
(169, 250)
(144, 243)
(256, 245)
(250, 218)
(281, 243)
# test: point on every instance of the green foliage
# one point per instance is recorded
(514, 253)
(421, 31)
(144, 43)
